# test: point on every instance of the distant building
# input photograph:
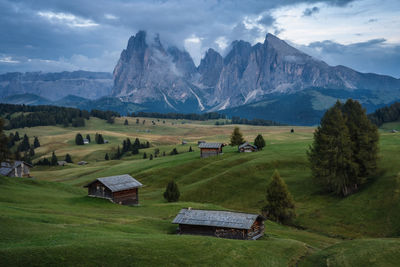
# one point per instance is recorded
(247, 147)
(199, 142)
(210, 149)
(121, 189)
(225, 224)
(394, 131)
(61, 163)
(184, 142)
(86, 141)
(106, 141)
(82, 163)
(15, 168)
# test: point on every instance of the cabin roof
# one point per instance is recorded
(8, 166)
(210, 145)
(217, 218)
(247, 144)
(118, 182)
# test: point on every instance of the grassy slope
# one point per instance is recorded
(233, 181)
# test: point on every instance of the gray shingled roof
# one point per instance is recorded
(5, 171)
(118, 182)
(6, 167)
(216, 218)
(210, 145)
(247, 144)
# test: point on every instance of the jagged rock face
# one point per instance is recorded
(148, 72)
(54, 86)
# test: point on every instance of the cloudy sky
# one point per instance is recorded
(59, 35)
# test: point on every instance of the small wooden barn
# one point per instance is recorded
(247, 147)
(210, 149)
(225, 224)
(15, 168)
(121, 189)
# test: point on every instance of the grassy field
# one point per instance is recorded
(50, 220)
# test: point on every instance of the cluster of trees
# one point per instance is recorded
(45, 115)
(181, 116)
(261, 122)
(42, 115)
(21, 145)
(345, 149)
(386, 114)
(53, 161)
(4, 149)
(237, 139)
(98, 138)
(128, 146)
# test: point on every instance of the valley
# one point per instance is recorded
(49, 219)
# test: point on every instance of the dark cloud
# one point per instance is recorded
(372, 56)
(75, 34)
(310, 11)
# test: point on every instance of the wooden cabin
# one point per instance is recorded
(210, 149)
(15, 168)
(247, 147)
(224, 224)
(121, 189)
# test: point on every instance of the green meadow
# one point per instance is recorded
(50, 220)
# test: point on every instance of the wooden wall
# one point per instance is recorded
(127, 197)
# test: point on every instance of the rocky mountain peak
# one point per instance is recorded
(210, 67)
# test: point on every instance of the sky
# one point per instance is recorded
(59, 35)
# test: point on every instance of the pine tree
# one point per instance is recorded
(190, 149)
(36, 142)
(236, 137)
(174, 152)
(331, 155)
(128, 144)
(144, 155)
(137, 121)
(259, 142)
(172, 193)
(24, 145)
(151, 157)
(68, 158)
(54, 159)
(280, 206)
(79, 139)
(126, 122)
(31, 152)
(163, 153)
(118, 155)
(4, 151)
(88, 137)
(16, 137)
(106, 157)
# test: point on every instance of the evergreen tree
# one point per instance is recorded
(137, 121)
(31, 152)
(364, 138)
(126, 122)
(88, 137)
(331, 155)
(106, 157)
(156, 152)
(68, 158)
(147, 144)
(144, 155)
(190, 149)
(16, 137)
(174, 152)
(11, 141)
(163, 153)
(99, 139)
(259, 142)
(172, 193)
(24, 145)
(4, 150)
(151, 157)
(111, 120)
(17, 155)
(54, 159)
(124, 146)
(280, 206)
(36, 142)
(128, 144)
(79, 139)
(236, 137)
(118, 155)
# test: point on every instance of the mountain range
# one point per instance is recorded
(270, 80)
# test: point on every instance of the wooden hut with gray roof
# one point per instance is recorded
(210, 149)
(121, 189)
(225, 224)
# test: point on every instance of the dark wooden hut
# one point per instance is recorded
(210, 149)
(121, 189)
(247, 147)
(225, 224)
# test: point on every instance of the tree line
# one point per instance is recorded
(386, 114)
(260, 122)
(179, 116)
(45, 115)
